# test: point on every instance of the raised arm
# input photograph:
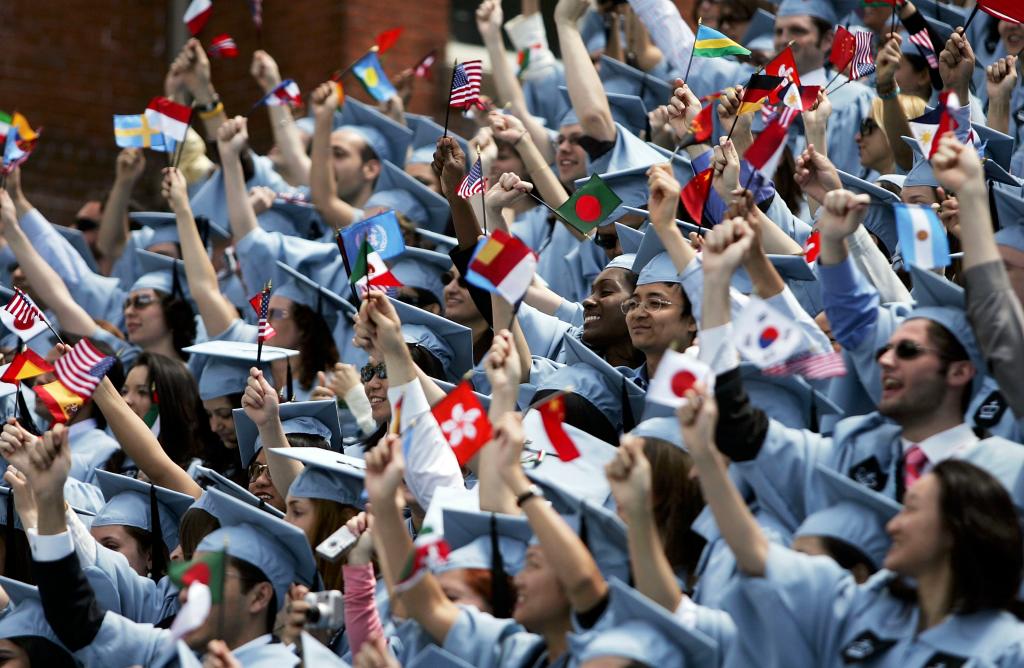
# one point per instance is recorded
(323, 189)
(260, 404)
(1000, 81)
(139, 443)
(585, 89)
(450, 166)
(502, 367)
(286, 136)
(893, 119)
(232, 139)
(193, 66)
(661, 205)
(216, 311)
(113, 233)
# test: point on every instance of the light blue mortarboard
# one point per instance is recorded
(645, 632)
(880, 218)
(469, 535)
(802, 281)
(629, 238)
(624, 261)
(128, 504)
(581, 478)
(790, 400)
(760, 35)
(26, 619)
(303, 290)
(328, 475)
(658, 269)
(1009, 212)
(822, 9)
(297, 219)
(159, 272)
(852, 513)
(226, 364)
(319, 418)
(422, 268)
(445, 242)
(208, 478)
(627, 110)
(998, 146)
(278, 549)
(682, 168)
(618, 77)
(576, 352)
(425, 135)
(77, 241)
(388, 139)
(664, 428)
(995, 172)
(165, 226)
(587, 383)
(484, 399)
(399, 191)
(435, 657)
(630, 185)
(920, 173)
(448, 341)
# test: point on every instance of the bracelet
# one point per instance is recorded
(216, 111)
(890, 96)
(519, 138)
(209, 106)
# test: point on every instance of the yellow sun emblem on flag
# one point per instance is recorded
(922, 235)
(370, 77)
(926, 137)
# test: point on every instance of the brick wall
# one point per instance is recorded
(69, 66)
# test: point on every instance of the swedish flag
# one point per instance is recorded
(370, 73)
(134, 131)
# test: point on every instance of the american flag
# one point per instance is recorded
(923, 40)
(223, 46)
(473, 184)
(425, 66)
(22, 308)
(815, 366)
(82, 369)
(863, 60)
(466, 84)
(261, 304)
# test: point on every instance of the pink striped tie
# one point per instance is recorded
(914, 461)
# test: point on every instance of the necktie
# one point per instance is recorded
(914, 461)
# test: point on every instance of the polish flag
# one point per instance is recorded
(197, 14)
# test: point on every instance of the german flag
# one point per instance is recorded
(757, 89)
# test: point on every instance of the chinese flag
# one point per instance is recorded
(700, 128)
(844, 45)
(695, 195)
(463, 421)
(552, 415)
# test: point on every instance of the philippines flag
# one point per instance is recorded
(286, 92)
(197, 14)
(863, 59)
(261, 304)
(923, 240)
(83, 368)
(171, 118)
(466, 79)
(223, 46)
(473, 184)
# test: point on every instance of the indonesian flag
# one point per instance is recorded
(169, 117)
(764, 336)
(286, 92)
(22, 317)
(429, 552)
(197, 14)
(677, 373)
(463, 421)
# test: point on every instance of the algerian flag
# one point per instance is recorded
(590, 205)
(195, 611)
(370, 270)
(206, 568)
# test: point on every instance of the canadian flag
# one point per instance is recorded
(677, 373)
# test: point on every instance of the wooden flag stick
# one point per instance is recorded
(448, 107)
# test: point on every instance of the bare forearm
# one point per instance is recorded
(585, 89)
(240, 213)
(675, 245)
(652, 572)
(286, 137)
(467, 229)
(217, 313)
(976, 227)
(113, 233)
(715, 311)
(765, 279)
(896, 125)
(323, 189)
(999, 113)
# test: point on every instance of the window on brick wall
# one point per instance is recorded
(463, 24)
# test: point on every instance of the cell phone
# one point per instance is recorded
(337, 544)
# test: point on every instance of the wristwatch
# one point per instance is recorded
(531, 492)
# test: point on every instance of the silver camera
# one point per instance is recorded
(337, 545)
(326, 610)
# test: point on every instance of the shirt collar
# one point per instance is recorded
(78, 427)
(940, 447)
(258, 641)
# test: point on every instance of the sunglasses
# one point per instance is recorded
(256, 470)
(606, 240)
(367, 372)
(447, 277)
(905, 350)
(139, 302)
(867, 126)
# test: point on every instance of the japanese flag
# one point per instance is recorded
(677, 373)
(764, 336)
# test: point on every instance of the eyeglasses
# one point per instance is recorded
(368, 370)
(448, 276)
(867, 126)
(905, 350)
(651, 305)
(606, 240)
(277, 313)
(139, 302)
(256, 470)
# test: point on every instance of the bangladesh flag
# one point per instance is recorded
(207, 568)
(590, 205)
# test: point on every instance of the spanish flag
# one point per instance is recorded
(62, 402)
(25, 364)
(713, 44)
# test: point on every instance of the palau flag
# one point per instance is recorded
(368, 70)
(135, 131)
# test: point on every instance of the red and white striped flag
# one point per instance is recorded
(82, 369)
(223, 46)
(473, 184)
(923, 40)
(466, 85)
(814, 366)
(261, 304)
(22, 317)
(286, 92)
(863, 59)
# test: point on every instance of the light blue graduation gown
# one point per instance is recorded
(543, 98)
(140, 598)
(90, 450)
(811, 611)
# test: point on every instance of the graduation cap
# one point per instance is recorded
(643, 631)
(619, 78)
(77, 241)
(852, 513)
(225, 365)
(879, 220)
(484, 399)
(664, 428)
(760, 35)
(802, 281)
(789, 399)
(821, 9)
(446, 242)
(159, 272)
(425, 135)
(422, 268)
(920, 173)
(998, 146)
(682, 168)
(163, 227)
(942, 11)
(278, 549)
(315, 653)
(652, 263)
(208, 478)
(435, 657)
(399, 191)
(130, 503)
(319, 418)
(627, 110)
(303, 290)
(576, 352)
(581, 478)
(942, 301)
(1009, 207)
(388, 139)
(995, 172)
(629, 238)
(448, 341)
(291, 218)
(328, 475)
(26, 617)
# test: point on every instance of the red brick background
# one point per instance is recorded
(70, 65)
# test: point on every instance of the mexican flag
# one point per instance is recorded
(370, 271)
(590, 205)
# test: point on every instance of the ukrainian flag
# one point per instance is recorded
(713, 44)
(134, 131)
(369, 72)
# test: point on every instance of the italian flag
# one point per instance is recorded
(370, 271)
(590, 205)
